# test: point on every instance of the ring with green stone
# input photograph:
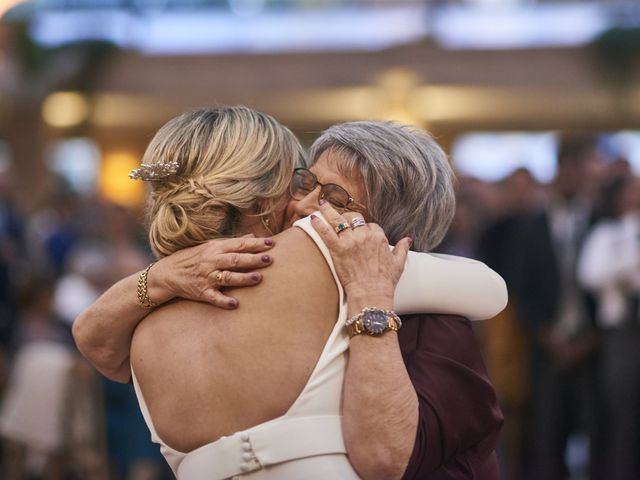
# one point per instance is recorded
(341, 226)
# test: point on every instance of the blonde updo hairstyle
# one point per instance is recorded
(228, 158)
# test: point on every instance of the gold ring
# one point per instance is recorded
(219, 278)
(358, 222)
(341, 226)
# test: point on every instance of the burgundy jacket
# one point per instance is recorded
(460, 419)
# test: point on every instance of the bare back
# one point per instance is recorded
(207, 372)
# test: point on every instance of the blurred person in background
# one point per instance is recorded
(12, 261)
(91, 243)
(33, 407)
(610, 267)
(133, 456)
(559, 315)
(106, 249)
(460, 459)
(57, 228)
(86, 276)
(507, 348)
(461, 238)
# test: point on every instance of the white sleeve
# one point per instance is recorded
(594, 263)
(435, 283)
(607, 259)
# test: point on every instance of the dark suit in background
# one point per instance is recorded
(560, 319)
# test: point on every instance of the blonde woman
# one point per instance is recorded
(256, 391)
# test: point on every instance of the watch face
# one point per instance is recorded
(375, 322)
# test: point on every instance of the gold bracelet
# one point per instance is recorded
(143, 294)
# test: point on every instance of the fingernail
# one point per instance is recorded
(313, 217)
(255, 277)
(266, 258)
(268, 241)
(410, 241)
(322, 201)
(233, 303)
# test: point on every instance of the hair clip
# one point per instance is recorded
(155, 171)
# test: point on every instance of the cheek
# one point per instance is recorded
(291, 213)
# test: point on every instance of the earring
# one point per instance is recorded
(266, 223)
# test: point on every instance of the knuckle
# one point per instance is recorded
(227, 277)
(211, 247)
(349, 244)
(210, 295)
(234, 260)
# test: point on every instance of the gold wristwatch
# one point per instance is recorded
(374, 322)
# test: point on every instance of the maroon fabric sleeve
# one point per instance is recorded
(460, 419)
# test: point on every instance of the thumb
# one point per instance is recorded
(401, 250)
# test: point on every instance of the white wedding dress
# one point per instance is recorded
(306, 442)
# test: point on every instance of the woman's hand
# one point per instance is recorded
(369, 272)
(365, 265)
(200, 273)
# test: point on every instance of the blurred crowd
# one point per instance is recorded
(563, 356)
(59, 419)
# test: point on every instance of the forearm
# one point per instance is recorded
(103, 331)
(448, 284)
(380, 405)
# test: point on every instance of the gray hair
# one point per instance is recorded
(407, 177)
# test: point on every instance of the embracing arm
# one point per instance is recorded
(380, 403)
(103, 331)
(435, 283)
(380, 400)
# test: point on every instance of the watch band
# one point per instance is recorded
(356, 324)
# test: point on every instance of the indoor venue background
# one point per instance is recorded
(84, 84)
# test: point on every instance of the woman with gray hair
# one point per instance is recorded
(404, 175)
(367, 277)
(404, 178)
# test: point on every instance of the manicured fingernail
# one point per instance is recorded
(268, 241)
(255, 277)
(410, 241)
(266, 258)
(233, 303)
(313, 217)
(322, 201)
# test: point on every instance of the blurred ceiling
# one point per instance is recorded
(522, 89)
(115, 70)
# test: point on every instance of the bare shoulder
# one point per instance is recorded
(226, 370)
(295, 245)
(296, 242)
(298, 268)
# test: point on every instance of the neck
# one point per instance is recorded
(254, 224)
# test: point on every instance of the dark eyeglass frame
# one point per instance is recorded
(351, 202)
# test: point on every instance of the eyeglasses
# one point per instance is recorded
(304, 182)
